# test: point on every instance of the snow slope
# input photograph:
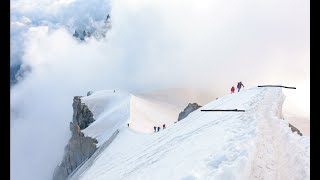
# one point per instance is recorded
(146, 113)
(256, 144)
(113, 110)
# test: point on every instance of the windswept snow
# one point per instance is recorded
(145, 114)
(113, 110)
(255, 144)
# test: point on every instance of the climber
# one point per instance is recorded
(232, 89)
(239, 85)
(155, 129)
(164, 126)
(158, 129)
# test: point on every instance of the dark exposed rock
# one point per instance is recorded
(79, 147)
(89, 93)
(81, 113)
(76, 34)
(18, 72)
(108, 17)
(81, 35)
(189, 109)
(82, 168)
(294, 129)
(13, 71)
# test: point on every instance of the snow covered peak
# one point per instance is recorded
(255, 144)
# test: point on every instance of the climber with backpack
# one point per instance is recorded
(239, 85)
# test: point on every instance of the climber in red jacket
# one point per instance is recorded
(232, 89)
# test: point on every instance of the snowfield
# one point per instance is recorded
(255, 144)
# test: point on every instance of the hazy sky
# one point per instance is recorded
(209, 44)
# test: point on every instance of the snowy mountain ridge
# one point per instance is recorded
(255, 144)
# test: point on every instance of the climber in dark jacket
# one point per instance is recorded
(158, 129)
(239, 85)
(155, 129)
(164, 126)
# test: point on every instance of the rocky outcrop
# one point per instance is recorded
(82, 33)
(78, 172)
(17, 73)
(294, 129)
(13, 73)
(81, 113)
(89, 93)
(189, 109)
(79, 147)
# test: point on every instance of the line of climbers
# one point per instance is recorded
(157, 129)
(239, 85)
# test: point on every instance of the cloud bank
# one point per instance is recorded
(152, 44)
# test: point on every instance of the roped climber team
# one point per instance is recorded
(239, 85)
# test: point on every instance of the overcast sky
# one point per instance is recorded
(158, 44)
